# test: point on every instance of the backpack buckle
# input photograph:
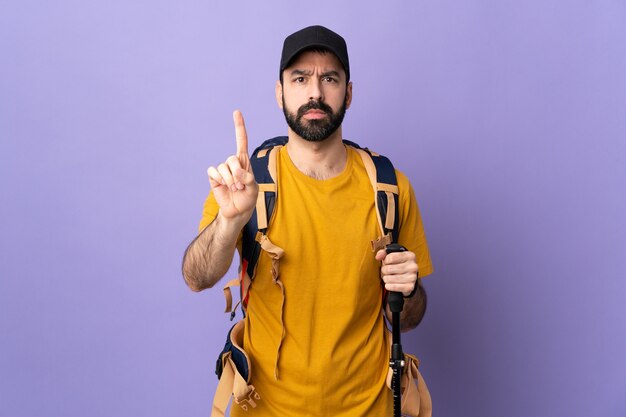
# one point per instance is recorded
(381, 242)
(249, 400)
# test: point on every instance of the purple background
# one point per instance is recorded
(509, 118)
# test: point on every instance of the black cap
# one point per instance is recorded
(315, 37)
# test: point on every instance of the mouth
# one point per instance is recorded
(315, 114)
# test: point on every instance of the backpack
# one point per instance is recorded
(233, 365)
(381, 173)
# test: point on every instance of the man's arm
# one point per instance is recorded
(413, 311)
(210, 254)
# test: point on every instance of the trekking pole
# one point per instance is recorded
(396, 303)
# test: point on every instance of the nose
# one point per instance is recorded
(315, 90)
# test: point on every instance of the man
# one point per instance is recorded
(316, 335)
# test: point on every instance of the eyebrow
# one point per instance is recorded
(324, 74)
(331, 73)
(301, 72)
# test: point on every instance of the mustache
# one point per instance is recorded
(314, 105)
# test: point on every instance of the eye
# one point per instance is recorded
(329, 79)
(298, 80)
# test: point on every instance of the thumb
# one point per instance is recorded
(381, 255)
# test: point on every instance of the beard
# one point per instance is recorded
(315, 130)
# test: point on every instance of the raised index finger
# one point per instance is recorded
(242, 138)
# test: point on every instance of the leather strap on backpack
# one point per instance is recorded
(386, 197)
(232, 382)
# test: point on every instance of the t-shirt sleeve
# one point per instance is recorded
(209, 212)
(412, 234)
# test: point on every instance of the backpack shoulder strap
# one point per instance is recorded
(254, 238)
(383, 178)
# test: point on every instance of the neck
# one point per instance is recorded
(319, 160)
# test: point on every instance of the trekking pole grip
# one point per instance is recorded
(395, 299)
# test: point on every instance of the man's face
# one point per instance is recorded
(314, 95)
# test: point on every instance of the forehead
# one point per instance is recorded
(323, 61)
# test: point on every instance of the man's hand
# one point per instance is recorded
(399, 271)
(210, 254)
(233, 182)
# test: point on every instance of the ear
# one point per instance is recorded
(348, 95)
(279, 94)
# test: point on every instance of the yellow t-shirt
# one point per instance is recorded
(333, 359)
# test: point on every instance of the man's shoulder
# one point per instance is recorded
(402, 179)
